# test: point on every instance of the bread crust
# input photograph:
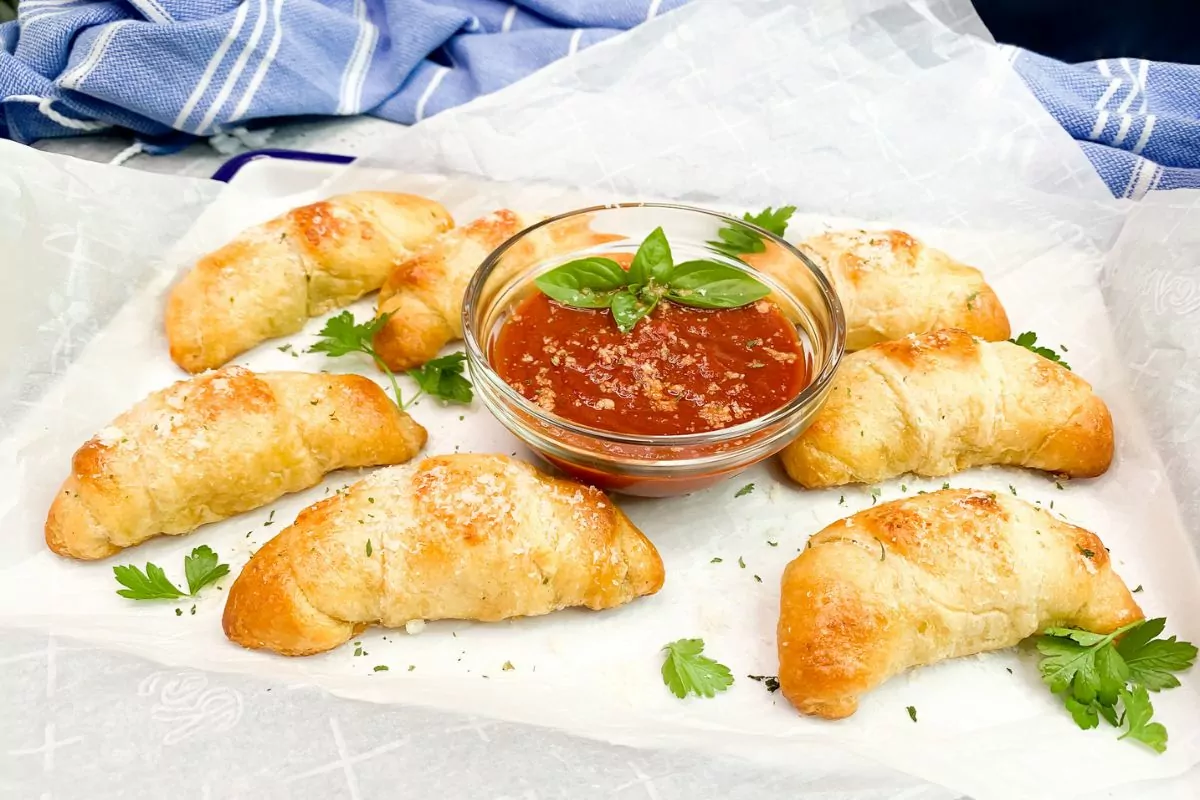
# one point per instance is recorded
(272, 277)
(217, 445)
(483, 537)
(931, 577)
(943, 402)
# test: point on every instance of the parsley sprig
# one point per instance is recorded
(1028, 340)
(201, 568)
(1098, 676)
(441, 378)
(599, 282)
(685, 671)
(737, 240)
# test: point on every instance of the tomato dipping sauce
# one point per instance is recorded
(681, 370)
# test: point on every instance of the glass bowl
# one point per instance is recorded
(654, 465)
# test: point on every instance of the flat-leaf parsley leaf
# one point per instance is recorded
(737, 240)
(443, 378)
(685, 671)
(342, 335)
(1028, 340)
(201, 568)
(149, 585)
(1094, 674)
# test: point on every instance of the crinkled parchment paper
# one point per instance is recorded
(877, 113)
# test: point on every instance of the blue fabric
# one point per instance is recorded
(70, 67)
(1138, 121)
(158, 67)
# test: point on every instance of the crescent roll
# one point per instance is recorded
(891, 285)
(931, 577)
(481, 537)
(217, 445)
(270, 279)
(946, 401)
(424, 294)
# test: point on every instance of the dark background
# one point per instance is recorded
(1079, 30)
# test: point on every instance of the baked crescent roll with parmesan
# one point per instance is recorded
(946, 401)
(424, 294)
(931, 577)
(891, 285)
(217, 445)
(270, 279)
(481, 537)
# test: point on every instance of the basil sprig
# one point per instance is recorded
(599, 282)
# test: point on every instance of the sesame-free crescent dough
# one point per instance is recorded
(217, 445)
(272, 277)
(423, 296)
(891, 284)
(946, 401)
(932, 577)
(481, 537)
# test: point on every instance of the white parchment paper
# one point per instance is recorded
(877, 115)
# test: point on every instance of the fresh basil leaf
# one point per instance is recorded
(628, 308)
(653, 260)
(709, 284)
(585, 283)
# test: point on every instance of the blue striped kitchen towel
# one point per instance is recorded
(157, 67)
(69, 67)
(1138, 121)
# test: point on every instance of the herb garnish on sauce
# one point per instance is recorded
(598, 282)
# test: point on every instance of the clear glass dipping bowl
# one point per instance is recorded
(651, 466)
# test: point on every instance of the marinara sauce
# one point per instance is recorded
(680, 370)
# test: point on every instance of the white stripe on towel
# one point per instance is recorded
(652, 11)
(153, 10)
(1145, 137)
(360, 12)
(506, 23)
(214, 64)
(235, 74)
(1123, 130)
(1140, 181)
(1113, 86)
(265, 64)
(429, 90)
(1098, 128)
(573, 47)
(1133, 87)
(74, 77)
(355, 76)
(1145, 65)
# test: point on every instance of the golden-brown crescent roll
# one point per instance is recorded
(892, 284)
(424, 294)
(270, 279)
(481, 537)
(944, 402)
(931, 577)
(217, 445)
